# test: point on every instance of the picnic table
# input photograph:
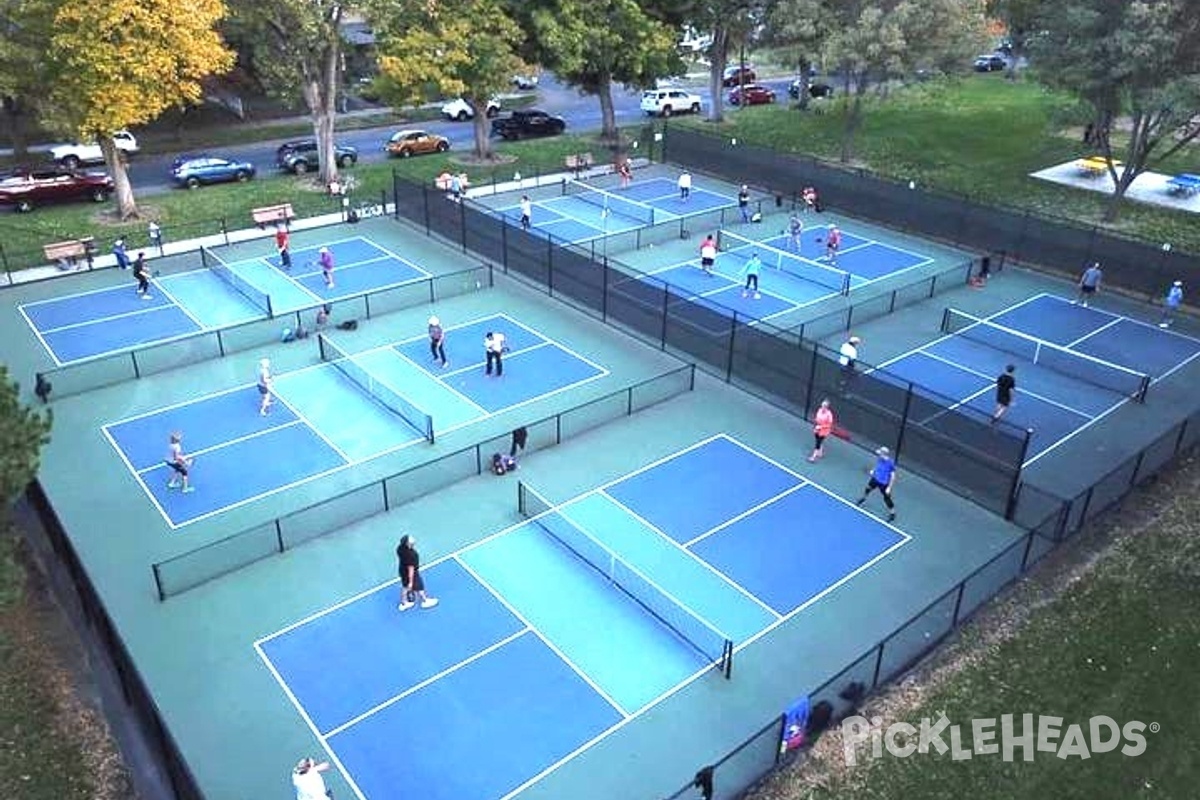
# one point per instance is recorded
(1184, 184)
(1095, 166)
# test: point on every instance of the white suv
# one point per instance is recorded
(72, 155)
(665, 102)
(461, 110)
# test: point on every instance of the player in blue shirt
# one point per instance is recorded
(883, 476)
(1171, 304)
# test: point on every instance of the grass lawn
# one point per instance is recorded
(186, 214)
(52, 746)
(980, 136)
(1109, 628)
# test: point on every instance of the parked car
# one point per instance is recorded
(301, 155)
(525, 83)
(665, 102)
(461, 110)
(76, 153)
(414, 142)
(532, 122)
(27, 188)
(737, 75)
(814, 89)
(752, 94)
(194, 171)
(992, 62)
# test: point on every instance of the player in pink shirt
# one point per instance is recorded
(822, 427)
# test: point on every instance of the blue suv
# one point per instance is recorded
(196, 170)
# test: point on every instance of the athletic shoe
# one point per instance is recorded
(757, 296)
(1164, 324)
(743, 294)
(406, 605)
(892, 517)
(429, 602)
(860, 501)
(172, 485)
(188, 489)
(147, 297)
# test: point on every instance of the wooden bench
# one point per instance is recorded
(1095, 166)
(66, 254)
(578, 162)
(272, 215)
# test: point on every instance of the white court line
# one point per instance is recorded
(123, 315)
(38, 334)
(483, 412)
(60, 298)
(793, 304)
(690, 555)
(1077, 431)
(397, 256)
(228, 442)
(136, 476)
(868, 281)
(830, 588)
(301, 418)
(739, 517)
(162, 288)
(391, 701)
(533, 629)
(190, 401)
(1023, 391)
(1086, 336)
(287, 691)
(475, 365)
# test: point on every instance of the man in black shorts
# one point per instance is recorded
(1006, 385)
(412, 585)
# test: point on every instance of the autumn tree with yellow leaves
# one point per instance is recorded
(122, 63)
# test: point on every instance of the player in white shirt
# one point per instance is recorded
(308, 781)
(493, 344)
(265, 385)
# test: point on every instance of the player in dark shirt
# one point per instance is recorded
(412, 585)
(1006, 385)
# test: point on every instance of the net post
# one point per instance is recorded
(946, 320)
(521, 507)
(1014, 489)
(158, 584)
(728, 657)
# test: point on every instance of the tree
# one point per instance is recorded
(590, 44)
(1019, 18)
(23, 432)
(120, 63)
(295, 47)
(466, 48)
(804, 25)
(875, 40)
(1136, 66)
(731, 23)
(24, 75)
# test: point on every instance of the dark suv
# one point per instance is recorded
(25, 188)
(301, 155)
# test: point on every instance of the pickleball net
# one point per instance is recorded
(741, 248)
(1080, 366)
(612, 203)
(218, 267)
(383, 394)
(692, 629)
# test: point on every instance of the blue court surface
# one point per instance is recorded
(1090, 366)
(554, 633)
(583, 215)
(104, 321)
(322, 420)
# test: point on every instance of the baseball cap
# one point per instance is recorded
(1177, 283)
(434, 321)
(883, 451)
(855, 340)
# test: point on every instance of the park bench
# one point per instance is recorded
(272, 215)
(578, 162)
(1095, 166)
(66, 254)
(1184, 184)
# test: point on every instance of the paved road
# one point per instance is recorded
(582, 113)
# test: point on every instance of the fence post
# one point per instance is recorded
(7, 268)
(729, 350)
(908, 396)
(395, 195)
(812, 375)
(224, 231)
(1014, 488)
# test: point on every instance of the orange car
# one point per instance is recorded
(414, 143)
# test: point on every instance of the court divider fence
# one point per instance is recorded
(789, 371)
(200, 565)
(954, 444)
(1138, 266)
(192, 348)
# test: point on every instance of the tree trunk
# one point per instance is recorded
(608, 115)
(720, 54)
(483, 143)
(805, 68)
(852, 115)
(17, 116)
(322, 74)
(122, 188)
